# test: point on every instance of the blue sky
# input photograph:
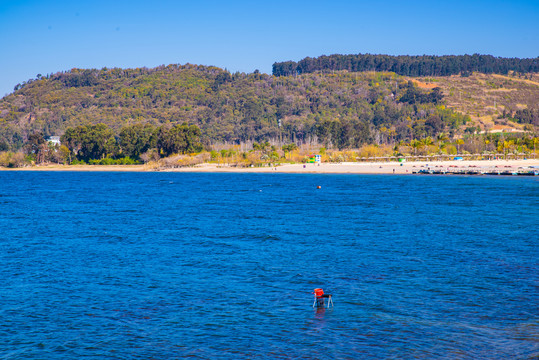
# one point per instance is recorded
(49, 36)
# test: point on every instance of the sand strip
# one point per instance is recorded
(324, 168)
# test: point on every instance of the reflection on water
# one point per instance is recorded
(320, 312)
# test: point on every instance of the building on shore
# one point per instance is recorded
(55, 140)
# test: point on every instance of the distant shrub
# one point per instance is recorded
(13, 160)
(108, 161)
(177, 161)
(128, 161)
(5, 158)
(150, 155)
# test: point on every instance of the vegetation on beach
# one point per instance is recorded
(179, 146)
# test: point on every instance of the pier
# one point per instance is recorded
(475, 170)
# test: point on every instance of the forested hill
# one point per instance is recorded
(409, 65)
(341, 109)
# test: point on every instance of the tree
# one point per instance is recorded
(435, 96)
(262, 146)
(441, 138)
(535, 141)
(289, 148)
(415, 144)
(459, 142)
(504, 146)
(35, 146)
(179, 139)
(63, 155)
(137, 139)
(426, 142)
(150, 155)
(90, 141)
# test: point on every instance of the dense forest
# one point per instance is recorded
(341, 110)
(409, 65)
(98, 144)
(134, 141)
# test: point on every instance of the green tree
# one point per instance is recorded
(289, 148)
(90, 141)
(504, 146)
(63, 155)
(34, 145)
(178, 139)
(136, 139)
(415, 144)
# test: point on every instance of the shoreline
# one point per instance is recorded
(451, 166)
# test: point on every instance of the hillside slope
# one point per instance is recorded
(344, 109)
(490, 100)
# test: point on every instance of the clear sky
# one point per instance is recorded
(41, 37)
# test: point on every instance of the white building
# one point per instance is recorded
(55, 140)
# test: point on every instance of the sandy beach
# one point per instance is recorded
(324, 168)
(374, 167)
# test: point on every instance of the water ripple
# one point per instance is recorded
(165, 265)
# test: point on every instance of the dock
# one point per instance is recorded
(475, 170)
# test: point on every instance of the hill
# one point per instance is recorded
(342, 109)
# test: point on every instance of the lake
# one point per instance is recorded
(208, 266)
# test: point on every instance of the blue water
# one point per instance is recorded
(176, 265)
